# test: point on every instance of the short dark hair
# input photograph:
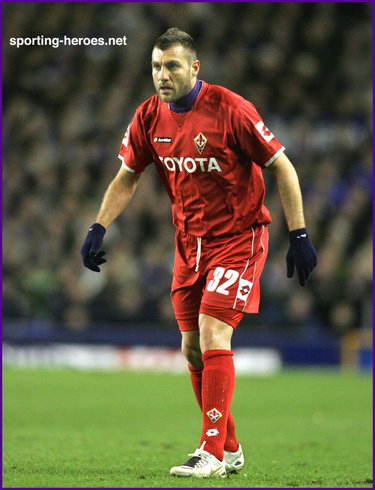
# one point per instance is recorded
(174, 35)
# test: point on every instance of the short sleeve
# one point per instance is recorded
(134, 153)
(255, 139)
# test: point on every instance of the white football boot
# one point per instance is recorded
(234, 461)
(201, 465)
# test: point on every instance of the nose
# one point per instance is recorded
(163, 74)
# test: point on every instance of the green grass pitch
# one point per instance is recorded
(65, 428)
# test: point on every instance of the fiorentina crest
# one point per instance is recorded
(214, 415)
(200, 142)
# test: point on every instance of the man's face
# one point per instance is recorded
(172, 72)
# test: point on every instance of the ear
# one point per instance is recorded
(195, 68)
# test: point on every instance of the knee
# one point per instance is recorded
(214, 334)
(192, 354)
(209, 339)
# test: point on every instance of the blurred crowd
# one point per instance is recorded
(307, 69)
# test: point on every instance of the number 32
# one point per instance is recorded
(219, 272)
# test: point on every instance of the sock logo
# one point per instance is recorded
(214, 415)
(212, 432)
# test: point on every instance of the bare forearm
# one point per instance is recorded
(289, 191)
(117, 197)
(114, 202)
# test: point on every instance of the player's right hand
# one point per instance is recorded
(90, 254)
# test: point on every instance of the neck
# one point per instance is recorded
(187, 101)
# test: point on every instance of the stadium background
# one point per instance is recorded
(307, 69)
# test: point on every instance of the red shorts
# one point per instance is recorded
(218, 275)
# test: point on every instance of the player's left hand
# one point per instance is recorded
(301, 254)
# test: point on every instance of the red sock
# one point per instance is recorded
(231, 443)
(217, 392)
(196, 381)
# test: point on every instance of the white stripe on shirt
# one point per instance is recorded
(125, 166)
(272, 159)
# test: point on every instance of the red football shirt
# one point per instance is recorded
(209, 159)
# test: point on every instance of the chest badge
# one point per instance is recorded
(200, 142)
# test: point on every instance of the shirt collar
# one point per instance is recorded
(186, 102)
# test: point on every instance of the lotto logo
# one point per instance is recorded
(125, 140)
(264, 131)
(214, 415)
(244, 289)
(163, 139)
(212, 432)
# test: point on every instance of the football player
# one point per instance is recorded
(209, 146)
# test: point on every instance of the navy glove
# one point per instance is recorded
(301, 254)
(89, 251)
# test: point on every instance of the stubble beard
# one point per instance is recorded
(166, 98)
(173, 96)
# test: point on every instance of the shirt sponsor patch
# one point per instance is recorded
(162, 139)
(190, 164)
(264, 131)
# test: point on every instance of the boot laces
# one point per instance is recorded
(201, 458)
